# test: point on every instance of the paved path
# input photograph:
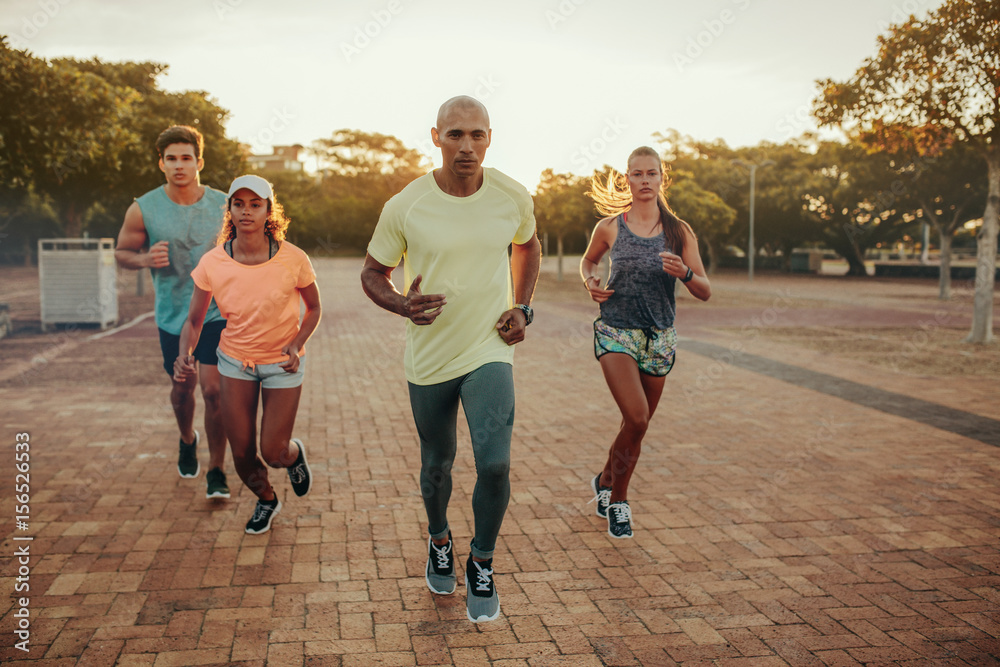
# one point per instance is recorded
(783, 514)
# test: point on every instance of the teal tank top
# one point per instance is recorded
(190, 231)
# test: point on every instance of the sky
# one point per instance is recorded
(569, 84)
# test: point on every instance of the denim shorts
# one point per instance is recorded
(653, 349)
(270, 376)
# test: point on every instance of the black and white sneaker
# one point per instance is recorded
(299, 473)
(620, 520)
(260, 522)
(187, 458)
(482, 603)
(602, 495)
(440, 574)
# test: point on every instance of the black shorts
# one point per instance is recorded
(204, 352)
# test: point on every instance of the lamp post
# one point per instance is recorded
(751, 252)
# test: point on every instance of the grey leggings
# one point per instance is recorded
(487, 396)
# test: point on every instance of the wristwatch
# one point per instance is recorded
(529, 314)
(688, 276)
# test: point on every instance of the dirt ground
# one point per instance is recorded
(897, 324)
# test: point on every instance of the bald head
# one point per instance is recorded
(462, 103)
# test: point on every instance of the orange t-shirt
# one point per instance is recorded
(260, 302)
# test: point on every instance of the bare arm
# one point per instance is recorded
(376, 281)
(525, 260)
(677, 266)
(190, 332)
(600, 243)
(314, 311)
(132, 239)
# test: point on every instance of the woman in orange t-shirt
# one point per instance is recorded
(257, 279)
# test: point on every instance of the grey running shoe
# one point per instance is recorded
(602, 494)
(440, 575)
(260, 522)
(482, 603)
(187, 460)
(620, 520)
(299, 473)
(217, 487)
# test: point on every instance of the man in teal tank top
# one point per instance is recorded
(167, 230)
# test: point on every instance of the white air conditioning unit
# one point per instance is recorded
(77, 279)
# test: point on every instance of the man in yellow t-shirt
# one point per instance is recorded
(453, 227)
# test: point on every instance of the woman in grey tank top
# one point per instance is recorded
(650, 248)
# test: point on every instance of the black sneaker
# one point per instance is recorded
(260, 522)
(440, 574)
(602, 494)
(187, 460)
(620, 520)
(482, 603)
(299, 473)
(217, 487)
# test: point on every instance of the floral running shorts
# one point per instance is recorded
(652, 349)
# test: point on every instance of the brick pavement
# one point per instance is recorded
(775, 524)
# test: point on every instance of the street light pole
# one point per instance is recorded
(751, 251)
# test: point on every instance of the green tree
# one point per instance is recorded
(65, 136)
(562, 209)
(360, 172)
(948, 189)
(81, 140)
(934, 82)
(843, 197)
(709, 216)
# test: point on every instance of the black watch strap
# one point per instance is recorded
(688, 276)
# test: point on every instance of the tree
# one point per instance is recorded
(949, 190)
(361, 172)
(709, 216)
(934, 82)
(81, 139)
(64, 137)
(563, 209)
(843, 197)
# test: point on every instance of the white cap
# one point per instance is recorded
(254, 184)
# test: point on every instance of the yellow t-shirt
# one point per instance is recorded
(459, 246)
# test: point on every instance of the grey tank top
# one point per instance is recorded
(644, 292)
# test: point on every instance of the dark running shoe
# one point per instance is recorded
(620, 520)
(602, 495)
(260, 522)
(299, 473)
(440, 575)
(187, 460)
(217, 487)
(482, 603)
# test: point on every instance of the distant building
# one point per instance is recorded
(285, 158)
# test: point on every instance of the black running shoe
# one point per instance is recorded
(260, 522)
(440, 575)
(482, 603)
(620, 520)
(602, 495)
(299, 473)
(187, 460)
